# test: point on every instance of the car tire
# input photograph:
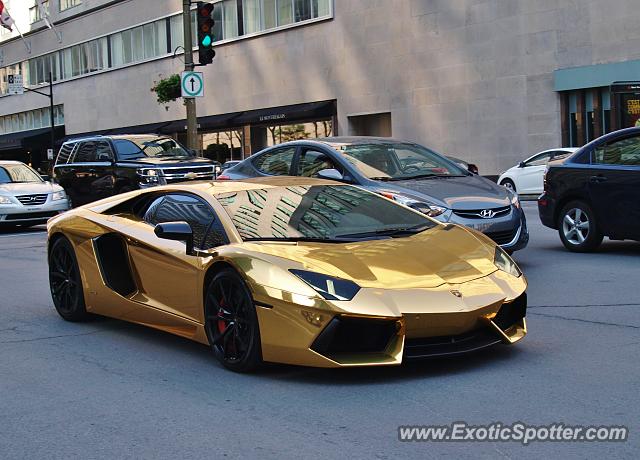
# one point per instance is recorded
(231, 322)
(65, 282)
(509, 185)
(577, 227)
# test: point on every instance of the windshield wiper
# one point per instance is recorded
(392, 232)
(381, 178)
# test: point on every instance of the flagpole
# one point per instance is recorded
(27, 45)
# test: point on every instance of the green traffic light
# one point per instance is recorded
(206, 41)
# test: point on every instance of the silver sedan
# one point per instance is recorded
(25, 198)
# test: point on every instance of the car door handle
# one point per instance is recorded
(597, 179)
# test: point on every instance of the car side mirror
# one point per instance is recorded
(330, 174)
(176, 231)
(521, 165)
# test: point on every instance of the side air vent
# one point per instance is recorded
(113, 260)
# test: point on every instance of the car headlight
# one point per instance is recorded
(149, 176)
(327, 286)
(515, 201)
(5, 200)
(430, 209)
(505, 263)
(59, 195)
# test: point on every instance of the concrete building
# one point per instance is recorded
(490, 81)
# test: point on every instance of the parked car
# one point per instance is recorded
(288, 270)
(406, 172)
(25, 198)
(526, 176)
(97, 167)
(227, 164)
(595, 192)
(472, 168)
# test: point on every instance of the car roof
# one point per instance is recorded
(10, 162)
(116, 136)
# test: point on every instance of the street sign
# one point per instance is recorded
(15, 84)
(192, 84)
(50, 154)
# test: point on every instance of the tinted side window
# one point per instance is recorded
(207, 229)
(311, 162)
(65, 153)
(86, 152)
(127, 150)
(276, 163)
(624, 152)
(103, 151)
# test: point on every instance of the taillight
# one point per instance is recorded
(223, 177)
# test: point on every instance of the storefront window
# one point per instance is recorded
(223, 146)
(277, 134)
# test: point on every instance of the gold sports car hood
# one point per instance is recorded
(443, 254)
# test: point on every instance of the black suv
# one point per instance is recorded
(96, 167)
(595, 192)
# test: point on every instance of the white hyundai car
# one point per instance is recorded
(527, 177)
(25, 198)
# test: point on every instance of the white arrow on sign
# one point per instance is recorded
(192, 84)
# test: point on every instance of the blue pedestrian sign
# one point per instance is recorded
(192, 84)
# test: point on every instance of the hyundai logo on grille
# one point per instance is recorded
(487, 213)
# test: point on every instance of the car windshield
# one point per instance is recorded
(320, 212)
(18, 174)
(144, 147)
(399, 161)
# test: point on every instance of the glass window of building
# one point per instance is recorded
(66, 4)
(32, 119)
(35, 14)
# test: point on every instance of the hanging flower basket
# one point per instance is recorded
(167, 89)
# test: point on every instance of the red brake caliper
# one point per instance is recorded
(222, 326)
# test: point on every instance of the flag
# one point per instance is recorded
(44, 14)
(5, 19)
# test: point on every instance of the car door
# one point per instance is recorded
(170, 279)
(614, 186)
(530, 176)
(92, 172)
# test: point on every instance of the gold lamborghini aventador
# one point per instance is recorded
(287, 270)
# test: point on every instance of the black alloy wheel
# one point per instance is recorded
(231, 322)
(65, 282)
(577, 227)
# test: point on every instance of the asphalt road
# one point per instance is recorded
(116, 390)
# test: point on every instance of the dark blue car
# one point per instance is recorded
(403, 171)
(595, 192)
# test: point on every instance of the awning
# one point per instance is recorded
(29, 139)
(296, 113)
(595, 76)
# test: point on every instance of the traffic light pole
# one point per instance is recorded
(189, 102)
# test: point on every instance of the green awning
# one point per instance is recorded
(595, 76)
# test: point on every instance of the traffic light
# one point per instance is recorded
(205, 33)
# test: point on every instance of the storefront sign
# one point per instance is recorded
(278, 116)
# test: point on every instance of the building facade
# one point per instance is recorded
(490, 81)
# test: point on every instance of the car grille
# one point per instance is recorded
(32, 200)
(477, 213)
(172, 175)
(503, 237)
(31, 215)
(449, 345)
